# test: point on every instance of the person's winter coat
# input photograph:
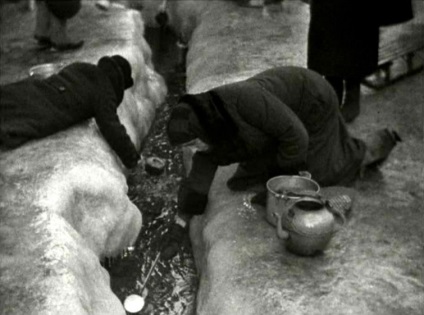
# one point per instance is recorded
(288, 115)
(343, 38)
(33, 108)
(394, 12)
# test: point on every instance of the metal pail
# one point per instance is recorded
(282, 189)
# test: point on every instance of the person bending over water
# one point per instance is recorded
(282, 121)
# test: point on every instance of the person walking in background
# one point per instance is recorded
(51, 24)
(343, 46)
(36, 108)
(282, 121)
(343, 43)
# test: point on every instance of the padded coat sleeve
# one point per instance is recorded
(262, 110)
(115, 133)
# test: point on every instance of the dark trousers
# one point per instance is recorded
(63, 9)
(347, 89)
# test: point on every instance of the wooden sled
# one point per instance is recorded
(398, 55)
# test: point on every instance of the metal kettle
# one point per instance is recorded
(308, 224)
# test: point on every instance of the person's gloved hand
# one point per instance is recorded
(190, 200)
(172, 241)
(259, 198)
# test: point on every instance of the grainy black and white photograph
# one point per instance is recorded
(211, 157)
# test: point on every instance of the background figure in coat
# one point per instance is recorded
(343, 46)
(280, 122)
(36, 108)
(51, 23)
(343, 43)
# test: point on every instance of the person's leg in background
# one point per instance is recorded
(42, 24)
(60, 37)
(61, 11)
(351, 103)
(338, 85)
(349, 95)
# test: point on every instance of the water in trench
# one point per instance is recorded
(172, 286)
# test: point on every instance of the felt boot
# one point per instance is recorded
(379, 145)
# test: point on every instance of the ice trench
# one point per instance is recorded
(172, 287)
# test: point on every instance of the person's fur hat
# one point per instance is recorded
(118, 70)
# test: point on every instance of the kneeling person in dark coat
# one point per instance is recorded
(280, 122)
(36, 108)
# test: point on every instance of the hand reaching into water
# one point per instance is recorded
(172, 241)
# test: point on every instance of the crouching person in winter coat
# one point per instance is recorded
(280, 122)
(36, 108)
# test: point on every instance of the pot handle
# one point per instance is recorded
(305, 174)
(305, 193)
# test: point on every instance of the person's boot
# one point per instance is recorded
(379, 145)
(42, 25)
